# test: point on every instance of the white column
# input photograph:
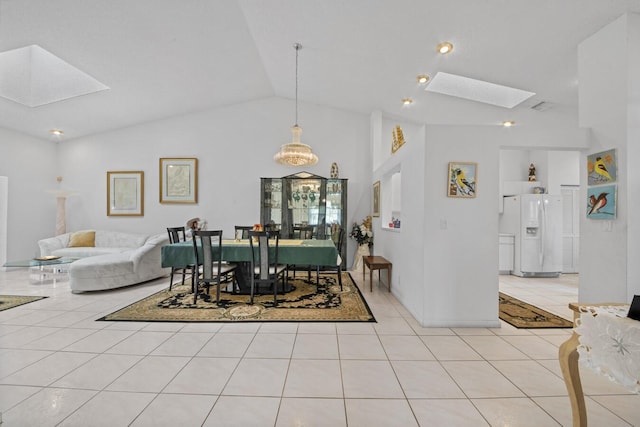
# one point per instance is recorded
(61, 211)
(61, 215)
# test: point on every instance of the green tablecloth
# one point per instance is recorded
(305, 252)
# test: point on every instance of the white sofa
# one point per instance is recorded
(117, 259)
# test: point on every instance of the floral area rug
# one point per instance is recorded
(307, 302)
(10, 301)
(523, 315)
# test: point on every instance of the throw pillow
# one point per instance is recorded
(82, 239)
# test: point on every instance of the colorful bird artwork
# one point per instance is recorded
(601, 169)
(597, 203)
(463, 185)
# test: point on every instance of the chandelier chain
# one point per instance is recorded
(296, 153)
(297, 46)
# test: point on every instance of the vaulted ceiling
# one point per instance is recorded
(162, 58)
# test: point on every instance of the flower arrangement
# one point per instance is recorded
(362, 232)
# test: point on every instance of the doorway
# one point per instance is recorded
(558, 172)
(570, 228)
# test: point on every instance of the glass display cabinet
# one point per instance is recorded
(304, 199)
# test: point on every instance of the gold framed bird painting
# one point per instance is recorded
(602, 167)
(601, 202)
(462, 179)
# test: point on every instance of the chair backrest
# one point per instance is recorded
(242, 231)
(340, 240)
(272, 227)
(304, 232)
(263, 259)
(176, 234)
(207, 247)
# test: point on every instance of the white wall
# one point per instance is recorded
(455, 280)
(30, 164)
(633, 154)
(608, 65)
(564, 169)
(234, 146)
(4, 200)
(401, 247)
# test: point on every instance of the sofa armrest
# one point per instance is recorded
(47, 246)
(153, 243)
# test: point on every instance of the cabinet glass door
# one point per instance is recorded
(335, 208)
(306, 206)
(271, 202)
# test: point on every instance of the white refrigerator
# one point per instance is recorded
(536, 222)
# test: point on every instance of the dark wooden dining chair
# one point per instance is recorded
(272, 227)
(242, 231)
(338, 266)
(210, 258)
(303, 232)
(176, 235)
(265, 269)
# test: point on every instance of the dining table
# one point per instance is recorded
(312, 252)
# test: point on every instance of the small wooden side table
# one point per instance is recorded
(376, 263)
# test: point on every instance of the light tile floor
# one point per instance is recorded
(60, 367)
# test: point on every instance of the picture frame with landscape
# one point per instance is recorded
(125, 193)
(178, 180)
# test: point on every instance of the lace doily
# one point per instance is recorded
(610, 344)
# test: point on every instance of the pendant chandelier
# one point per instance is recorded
(296, 153)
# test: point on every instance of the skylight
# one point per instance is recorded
(477, 90)
(32, 76)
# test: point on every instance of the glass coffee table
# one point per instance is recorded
(48, 269)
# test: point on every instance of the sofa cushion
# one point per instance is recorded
(82, 239)
(85, 252)
(116, 239)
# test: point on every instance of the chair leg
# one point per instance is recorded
(171, 278)
(184, 273)
(195, 292)
(340, 276)
(275, 292)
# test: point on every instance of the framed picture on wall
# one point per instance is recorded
(376, 199)
(601, 202)
(179, 180)
(125, 193)
(602, 167)
(462, 179)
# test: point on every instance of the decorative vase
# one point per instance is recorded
(362, 250)
(334, 170)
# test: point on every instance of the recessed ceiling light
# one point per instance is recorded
(57, 132)
(508, 123)
(422, 79)
(407, 101)
(444, 47)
